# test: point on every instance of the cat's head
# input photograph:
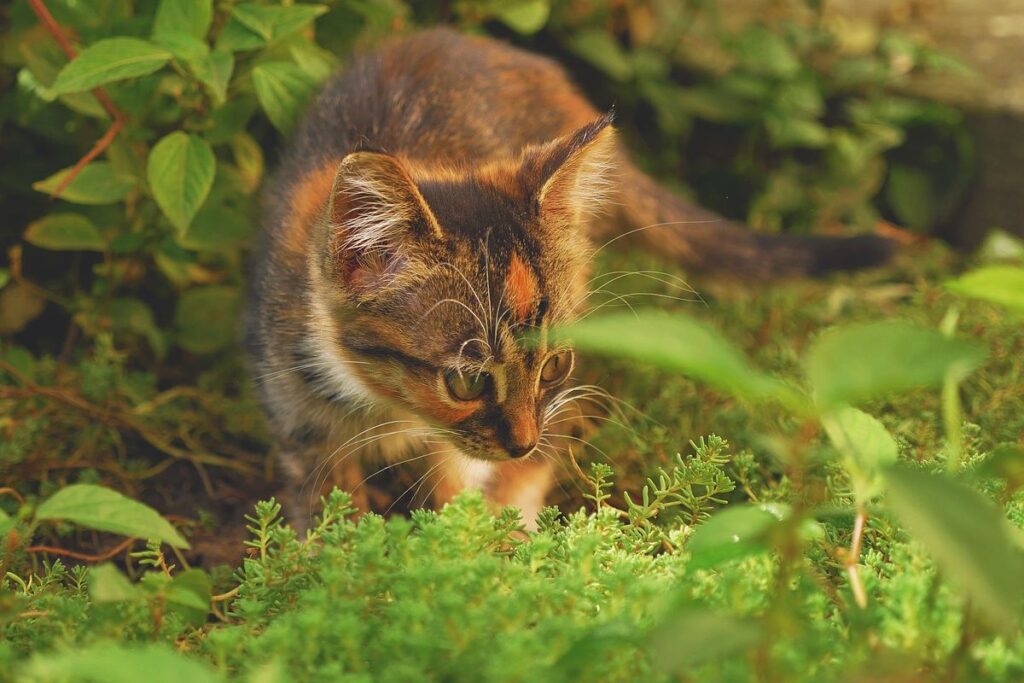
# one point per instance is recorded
(439, 284)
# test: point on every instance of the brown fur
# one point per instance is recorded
(435, 207)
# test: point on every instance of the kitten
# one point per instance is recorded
(437, 204)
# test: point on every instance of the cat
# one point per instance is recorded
(438, 203)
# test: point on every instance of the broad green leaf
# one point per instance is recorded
(132, 315)
(282, 89)
(316, 62)
(697, 636)
(111, 59)
(20, 304)
(716, 105)
(217, 228)
(206, 318)
(113, 663)
(968, 537)
(248, 160)
(272, 22)
(525, 16)
(107, 584)
(214, 71)
(865, 444)
(188, 594)
(861, 362)
(676, 342)
(765, 51)
(910, 194)
(602, 50)
(5, 277)
(188, 17)
(65, 232)
(184, 47)
(181, 169)
(1003, 285)
(97, 183)
(789, 131)
(735, 531)
(100, 508)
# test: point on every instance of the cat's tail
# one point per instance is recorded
(702, 241)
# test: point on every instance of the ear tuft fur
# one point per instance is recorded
(575, 172)
(375, 203)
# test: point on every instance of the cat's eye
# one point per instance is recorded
(556, 368)
(465, 386)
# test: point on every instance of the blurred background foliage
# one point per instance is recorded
(120, 365)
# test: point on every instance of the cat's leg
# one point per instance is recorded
(523, 484)
(310, 471)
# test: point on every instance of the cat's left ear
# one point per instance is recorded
(571, 177)
(376, 212)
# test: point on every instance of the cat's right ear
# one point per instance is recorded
(375, 210)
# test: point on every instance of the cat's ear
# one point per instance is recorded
(571, 177)
(375, 210)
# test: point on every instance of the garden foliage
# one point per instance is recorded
(865, 523)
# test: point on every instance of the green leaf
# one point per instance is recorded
(184, 47)
(676, 342)
(206, 318)
(5, 277)
(97, 183)
(181, 169)
(861, 362)
(1003, 285)
(113, 663)
(696, 636)
(100, 508)
(603, 51)
(272, 22)
(764, 51)
(132, 315)
(282, 89)
(865, 444)
(111, 59)
(107, 584)
(968, 537)
(526, 16)
(65, 232)
(188, 594)
(214, 71)
(217, 228)
(734, 532)
(910, 194)
(188, 17)
(789, 131)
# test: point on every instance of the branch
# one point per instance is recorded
(102, 557)
(116, 115)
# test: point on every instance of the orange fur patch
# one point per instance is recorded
(520, 287)
(308, 198)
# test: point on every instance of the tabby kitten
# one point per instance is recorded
(436, 206)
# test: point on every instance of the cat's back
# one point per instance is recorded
(439, 96)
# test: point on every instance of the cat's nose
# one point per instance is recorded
(520, 450)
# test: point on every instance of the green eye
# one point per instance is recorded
(556, 368)
(464, 386)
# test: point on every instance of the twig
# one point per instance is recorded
(116, 115)
(82, 556)
(7, 490)
(226, 596)
(853, 557)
